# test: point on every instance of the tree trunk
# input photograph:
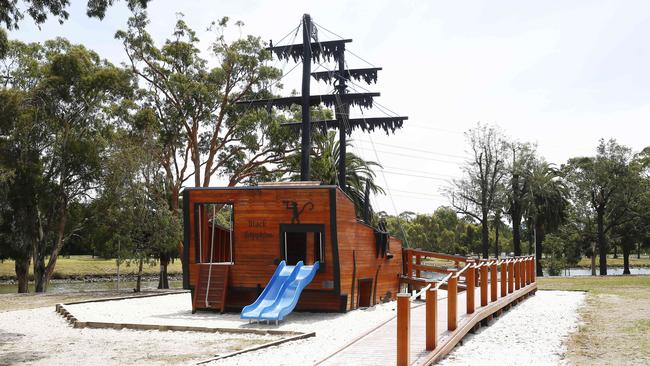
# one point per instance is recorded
(615, 251)
(496, 239)
(602, 244)
(638, 250)
(516, 216)
(516, 234)
(163, 280)
(39, 266)
(138, 282)
(593, 258)
(60, 240)
(531, 237)
(22, 274)
(627, 248)
(485, 237)
(539, 238)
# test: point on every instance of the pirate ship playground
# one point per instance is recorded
(270, 249)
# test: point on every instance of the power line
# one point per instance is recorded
(420, 171)
(417, 157)
(419, 193)
(415, 175)
(421, 150)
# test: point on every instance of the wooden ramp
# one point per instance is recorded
(378, 347)
(210, 291)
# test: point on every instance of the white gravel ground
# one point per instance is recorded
(333, 330)
(532, 333)
(42, 337)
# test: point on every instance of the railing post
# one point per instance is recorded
(527, 271)
(452, 307)
(511, 276)
(504, 279)
(533, 270)
(522, 274)
(470, 276)
(517, 269)
(409, 262)
(403, 329)
(432, 314)
(418, 261)
(484, 283)
(493, 282)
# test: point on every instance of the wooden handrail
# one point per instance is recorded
(449, 257)
(427, 268)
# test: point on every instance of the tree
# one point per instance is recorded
(64, 97)
(202, 131)
(519, 168)
(476, 194)
(39, 10)
(547, 204)
(603, 183)
(20, 181)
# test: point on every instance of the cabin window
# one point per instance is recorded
(302, 243)
(213, 232)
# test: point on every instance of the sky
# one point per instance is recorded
(560, 74)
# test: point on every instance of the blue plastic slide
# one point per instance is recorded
(287, 301)
(270, 293)
(280, 296)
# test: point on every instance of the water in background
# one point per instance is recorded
(78, 286)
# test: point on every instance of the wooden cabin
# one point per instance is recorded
(236, 237)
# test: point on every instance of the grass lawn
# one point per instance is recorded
(10, 302)
(615, 327)
(85, 265)
(644, 261)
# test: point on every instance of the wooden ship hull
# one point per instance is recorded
(227, 268)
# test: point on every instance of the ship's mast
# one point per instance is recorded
(313, 50)
(305, 143)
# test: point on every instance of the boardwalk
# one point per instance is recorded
(379, 346)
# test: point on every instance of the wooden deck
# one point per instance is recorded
(378, 347)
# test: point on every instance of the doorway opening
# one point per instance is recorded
(364, 299)
(302, 242)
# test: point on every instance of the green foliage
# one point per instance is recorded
(442, 231)
(39, 10)
(57, 110)
(554, 261)
(324, 168)
(200, 124)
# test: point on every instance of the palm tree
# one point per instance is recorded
(546, 203)
(324, 168)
